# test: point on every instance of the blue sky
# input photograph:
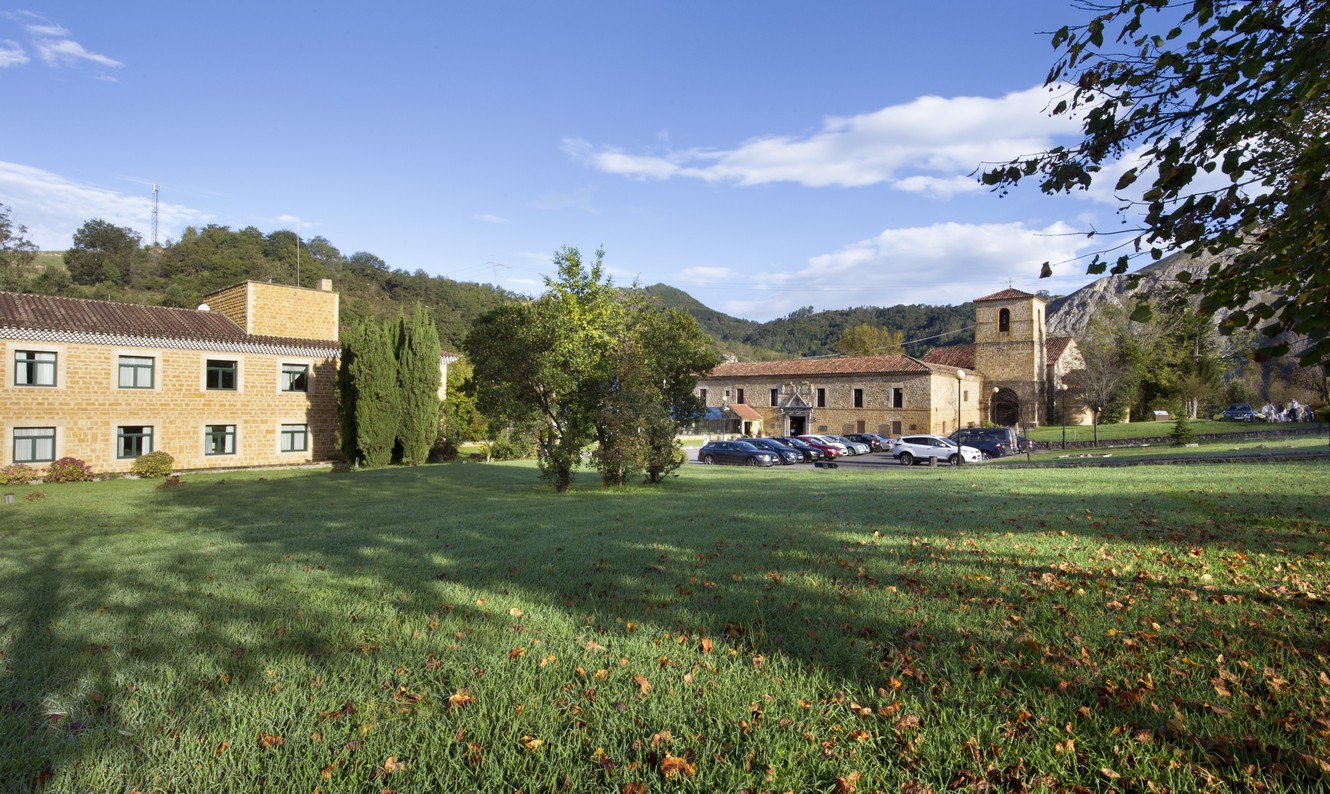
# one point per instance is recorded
(760, 156)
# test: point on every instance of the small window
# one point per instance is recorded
(295, 377)
(34, 444)
(1004, 321)
(860, 426)
(821, 398)
(219, 440)
(896, 429)
(703, 394)
(133, 441)
(295, 438)
(34, 368)
(859, 399)
(739, 396)
(136, 372)
(897, 398)
(221, 375)
(775, 397)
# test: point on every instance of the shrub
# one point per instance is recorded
(17, 474)
(68, 470)
(1182, 432)
(152, 465)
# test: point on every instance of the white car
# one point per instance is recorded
(918, 449)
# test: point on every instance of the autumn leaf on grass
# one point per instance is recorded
(391, 765)
(516, 652)
(846, 785)
(633, 788)
(460, 698)
(595, 647)
(642, 684)
(269, 740)
(707, 645)
(664, 737)
(530, 743)
(674, 766)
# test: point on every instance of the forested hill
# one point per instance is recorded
(805, 332)
(107, 262)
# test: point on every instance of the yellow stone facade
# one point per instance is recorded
(268, 402)
(795, 398)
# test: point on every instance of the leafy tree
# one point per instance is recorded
(865, 339)
(587, 363)
(418, 379)
(103, 253)
(462, 420)
(1219, 109)
(17, 252)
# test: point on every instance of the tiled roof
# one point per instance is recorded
(1006, 294)
(744, 412)
(1055, 346)
(951, 356)
(821, 366)
(52, 319)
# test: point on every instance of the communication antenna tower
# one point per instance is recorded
(297, 252)
(154, 214)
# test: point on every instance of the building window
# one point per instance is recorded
(965, 397)
(703, 394)
(859, 399)
(221, 375)
(739, 396)
(897, 398)
(136, 372)
(821, 398)
(131, 441)
(1004, 321)
(775, 397)
(896, 429)
(295, 377)
(34, 444)
(219, 440)
(34, 368)
(295, 438)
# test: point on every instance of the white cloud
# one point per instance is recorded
(487, 218)
(702, 276)
(53, 44)
(942, 264)
(929, 145)
(12, 54)
(53, 207)
(67, 52)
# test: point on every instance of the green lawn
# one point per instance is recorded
(1052, 434)
(462, 627)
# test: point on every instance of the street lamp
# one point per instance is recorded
(960, 438)
(1062, 410)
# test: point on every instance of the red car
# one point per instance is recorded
(833, 450)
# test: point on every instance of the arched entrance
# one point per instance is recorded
(1005, 409)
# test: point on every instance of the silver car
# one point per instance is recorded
(855, 447)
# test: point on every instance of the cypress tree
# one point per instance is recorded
(418, 380)
(377, 407)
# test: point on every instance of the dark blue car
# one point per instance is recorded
(740, 453)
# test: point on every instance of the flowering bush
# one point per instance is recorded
(68, 470)
(153, 464)
(17, 474)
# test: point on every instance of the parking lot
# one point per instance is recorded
(873, 460)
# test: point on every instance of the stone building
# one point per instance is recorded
(247, 379)
(1009, 376)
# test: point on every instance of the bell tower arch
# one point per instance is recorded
(1010, 350)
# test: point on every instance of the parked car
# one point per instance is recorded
(875, 441)
(917, 449)
(1240, 412)
(1024, 445)
(833, 450)
(788, 455)
(993, 442)
(854, 447)
(737, 452)
(811, 454)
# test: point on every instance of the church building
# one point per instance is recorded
(1010, 376)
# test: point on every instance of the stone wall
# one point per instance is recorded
(279, 310)
(928, 403)
(86, 406)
